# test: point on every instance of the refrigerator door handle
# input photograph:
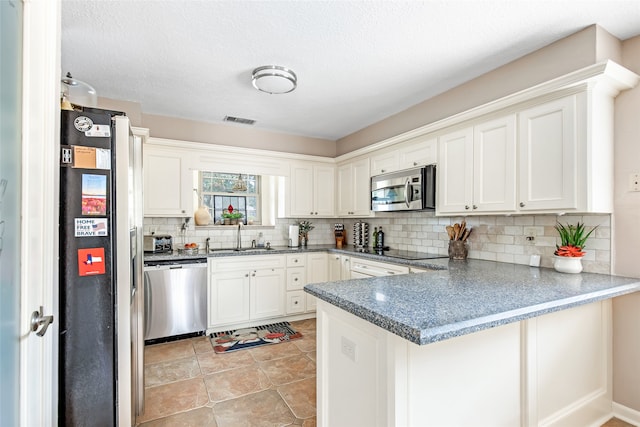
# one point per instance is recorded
(38, 320)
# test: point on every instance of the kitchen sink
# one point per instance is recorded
(231, 250)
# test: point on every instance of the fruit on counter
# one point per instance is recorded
(190, 246)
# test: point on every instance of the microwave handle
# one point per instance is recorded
(407, 194)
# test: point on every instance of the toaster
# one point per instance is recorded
(157, 244)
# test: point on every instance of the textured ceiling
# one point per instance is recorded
(357, 61)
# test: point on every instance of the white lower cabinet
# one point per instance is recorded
(267, 293)
(551, 370)
(229, 297)
(245, 288)
(303, 269)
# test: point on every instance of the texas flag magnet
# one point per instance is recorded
(91, 261)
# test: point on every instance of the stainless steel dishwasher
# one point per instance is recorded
(175, 298)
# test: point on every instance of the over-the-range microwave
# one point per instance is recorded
(405, 190)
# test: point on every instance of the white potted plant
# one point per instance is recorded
(568, 255)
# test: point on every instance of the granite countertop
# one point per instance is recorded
(467, 297)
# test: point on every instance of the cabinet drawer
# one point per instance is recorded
(296, 278)
(376, 268)
(296, 260)
(246, 262)
(295, 302)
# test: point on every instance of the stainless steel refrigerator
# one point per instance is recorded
(100, 270)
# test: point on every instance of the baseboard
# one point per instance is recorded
(626, 414)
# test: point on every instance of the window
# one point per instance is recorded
(220, 190)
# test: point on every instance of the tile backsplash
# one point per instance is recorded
(494, 238)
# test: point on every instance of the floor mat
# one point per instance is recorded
(240, 339)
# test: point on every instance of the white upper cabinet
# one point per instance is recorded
(384, 162)
(354, 188)
(476, 171)
(168, 182)
(312, 190)
(494, 165)
(548, 156)
(418, 152)
(455, 172)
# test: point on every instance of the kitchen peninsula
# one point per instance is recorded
(478, 344)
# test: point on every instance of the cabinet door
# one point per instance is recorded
(229, 297)
(494, 165)
(335, 267)
(301, 190)
(267, 293)
(418, 153)
(317, 267)
(168, 183)
(324, 191)
(455, 172)
(548, 156)
(344, 190)
(384, 163)
(361, 185)
(345, 270)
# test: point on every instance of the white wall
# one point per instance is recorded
(625, 238)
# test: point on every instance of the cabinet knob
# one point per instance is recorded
(381, 170)
(315, 213)
(246, 275)
(522, 204)
(415, 163)
(295, 303)
(295, 280)
(311, 213)
(475, 207)
(466, 207)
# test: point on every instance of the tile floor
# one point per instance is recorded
(187, 384)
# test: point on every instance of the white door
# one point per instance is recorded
(29, 247)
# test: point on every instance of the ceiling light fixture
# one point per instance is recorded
(78, 92)
(274, 79)
(239, 185)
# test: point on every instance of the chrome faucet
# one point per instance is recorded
(206, 246)
(239, 242)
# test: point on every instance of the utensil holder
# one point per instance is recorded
(458, 249)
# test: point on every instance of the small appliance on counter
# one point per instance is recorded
(158, 244)
(294, 236)
(361, 234)
(338, 232)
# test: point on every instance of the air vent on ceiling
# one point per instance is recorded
(238, 120)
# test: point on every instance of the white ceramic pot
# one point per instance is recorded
(567, 264)
(202, 216)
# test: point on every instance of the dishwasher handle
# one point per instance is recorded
(173, 266)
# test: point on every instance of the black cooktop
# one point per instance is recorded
(395, 253)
